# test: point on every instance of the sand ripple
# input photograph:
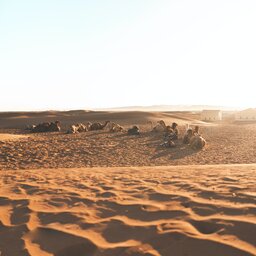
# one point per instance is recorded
(181, 211)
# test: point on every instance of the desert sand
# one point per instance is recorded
(11, 137)
(192, 210)
(226, 144)
(101, 193)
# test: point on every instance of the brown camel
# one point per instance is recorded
(134, 130)
(46, 127)
(194, 139)
(98, 126)
(175, 131)
(115, 127)
(81, 128)
(160, 127)
(88, 125)
(197, 142)
(77, 128)
(72, 129)
(168, 131)
(188, 136)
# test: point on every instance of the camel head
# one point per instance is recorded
(174, 125)
(189, 131)
(196, 129)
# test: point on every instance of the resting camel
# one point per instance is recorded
(81, 128)
(98, 126)
(175, 131)
(160, 127)
(188, 136)
(113, 127)
(194, 139)
(77, 128)
(46, 127)
(72, 129)
(197, 142)
(168, 131)
(134, 130)
(88, 125)
(172, 132)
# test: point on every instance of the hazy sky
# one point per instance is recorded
(60, 54)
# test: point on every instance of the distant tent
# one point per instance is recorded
(246, 115)
(211, 115)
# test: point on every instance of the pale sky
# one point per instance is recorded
(84, 54)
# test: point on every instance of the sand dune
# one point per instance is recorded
(21, 119)
(192, 210)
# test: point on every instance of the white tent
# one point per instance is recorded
(211, 115)
(246, 115)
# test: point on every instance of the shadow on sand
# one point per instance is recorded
(180, 151)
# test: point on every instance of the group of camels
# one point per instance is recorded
(191, 137)
(77, 128)
(171, 133)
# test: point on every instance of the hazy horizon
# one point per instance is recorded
(157, 108)
(106, 54)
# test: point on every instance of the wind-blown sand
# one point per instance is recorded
(181, 211)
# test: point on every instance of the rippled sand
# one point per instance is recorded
(187, 210)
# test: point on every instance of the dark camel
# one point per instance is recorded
(134, 130)
(46, 127)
